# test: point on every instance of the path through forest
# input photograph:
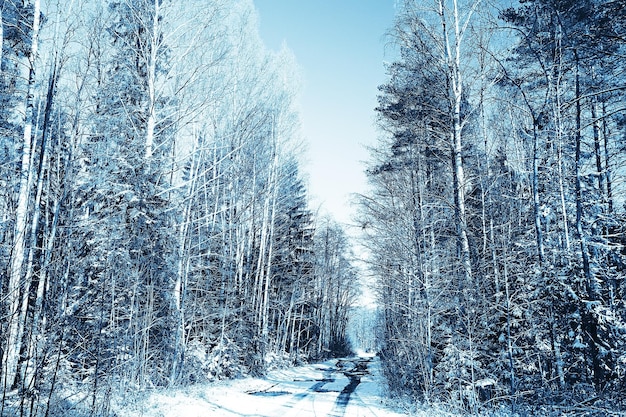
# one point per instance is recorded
(340, 387)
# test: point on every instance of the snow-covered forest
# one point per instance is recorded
(155, 227)
(496, 217)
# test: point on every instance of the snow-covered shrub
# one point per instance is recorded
(224, 361)
(204, 364)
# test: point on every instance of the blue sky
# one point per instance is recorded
(340, 47)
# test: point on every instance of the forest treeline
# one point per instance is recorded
(495, 218)
(154, 224)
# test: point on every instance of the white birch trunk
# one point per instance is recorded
(607, 159)
(272, 220)
(559, 139)
(535, 191)
(152, 62)
(28, 277)
(509, 339)
(183, 267)
(15, 328)
(34, 228)
(453, 59)
(259, 280)
(1, 34)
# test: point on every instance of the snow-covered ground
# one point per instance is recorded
(313, 390)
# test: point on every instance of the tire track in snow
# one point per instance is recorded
(355, 374)
(317, 387)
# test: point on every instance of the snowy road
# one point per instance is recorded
(329, 395)
(336, 388)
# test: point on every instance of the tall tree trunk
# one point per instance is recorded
(151, 78)
(453, 60)
(559, 126)
(535, 191)
(593, 294)
(556, 348)
(272, 225)
(596, 147)
(590, 282)
(15, 328)
(1, 32)
(607, 166)
(34, 229)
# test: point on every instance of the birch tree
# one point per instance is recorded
(17, 289)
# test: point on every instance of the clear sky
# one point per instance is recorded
(340, 47)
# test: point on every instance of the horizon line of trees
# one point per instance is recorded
(154, 223)
(495, 219)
